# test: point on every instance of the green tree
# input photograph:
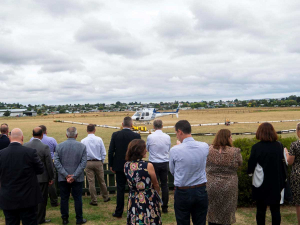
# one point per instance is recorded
(39, 112)
(7, 113)
(62, 111)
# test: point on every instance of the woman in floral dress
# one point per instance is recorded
(143, 199)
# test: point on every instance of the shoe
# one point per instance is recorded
(107, 200)
(165, 210)
(55, 205)
(93, 204)
(82, 222)
(65, 221)
(45, 221)
(116, 215)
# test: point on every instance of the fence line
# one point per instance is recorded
(110, 181)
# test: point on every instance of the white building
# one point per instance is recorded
(18, 112)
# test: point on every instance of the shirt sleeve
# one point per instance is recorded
(54, 145)
(102, 150)
(172, 162)
(148, 144)
(293, 149)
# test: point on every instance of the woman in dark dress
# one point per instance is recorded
(268, 153)
(143, 199)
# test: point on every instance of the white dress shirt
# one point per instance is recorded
(94, 147)
(158, 146)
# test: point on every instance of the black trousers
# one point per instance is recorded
(161, 171)
(76, 189)
(121, 182)
(28, 216)
(191, 202)
(52, 190)
(41, 213)
(261, 213)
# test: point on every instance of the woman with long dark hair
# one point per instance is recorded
(222, 181)
(143, 199)
(267, 155)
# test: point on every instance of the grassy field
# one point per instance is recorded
(102, 214)
(58, 130)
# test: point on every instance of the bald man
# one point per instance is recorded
(46, 178)
(4, 140)
(20, 192)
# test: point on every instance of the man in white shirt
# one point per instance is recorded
(158, 146)
(95, 158)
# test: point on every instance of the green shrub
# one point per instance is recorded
(245, 182)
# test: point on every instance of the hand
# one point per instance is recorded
(67, 177)
(51, 182)
(178, 142)
(70, 180)
(286, 151)
(112, 170)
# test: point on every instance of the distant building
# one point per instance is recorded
(18, 112)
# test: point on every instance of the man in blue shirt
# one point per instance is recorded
(187, 164)
(158, 146)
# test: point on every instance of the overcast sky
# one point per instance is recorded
(71, 51)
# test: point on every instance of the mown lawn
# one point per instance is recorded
(102, 214)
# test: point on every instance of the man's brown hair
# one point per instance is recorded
(3, 128)
(222, 139)
(266, 132)
(90, 127)
(136, 150)
(44, 128)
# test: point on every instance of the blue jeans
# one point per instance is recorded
(189, 202)
(65, 190)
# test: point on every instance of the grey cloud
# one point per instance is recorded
(12, 54)
(174, 26)
(103, 37)
(4, 75)
(63, 7)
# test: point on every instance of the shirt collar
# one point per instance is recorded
(188, 139)
(91, 134)
(36, 139)
(126, 128)
(158, 131)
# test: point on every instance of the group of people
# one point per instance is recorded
(205, 176)
(27, 173)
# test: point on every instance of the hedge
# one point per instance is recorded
(245, 182)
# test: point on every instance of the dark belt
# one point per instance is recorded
(93, 160)
(190, 187)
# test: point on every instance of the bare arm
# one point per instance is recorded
(152, 174)
(290, 158)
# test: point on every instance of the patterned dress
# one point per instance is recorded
(143, 200)
(222, 184)
(295, 173)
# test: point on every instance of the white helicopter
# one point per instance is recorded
(148, 114)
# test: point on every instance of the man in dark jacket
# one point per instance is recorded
(4, 140)
(116, 159)
(20, 192)
(46, 178)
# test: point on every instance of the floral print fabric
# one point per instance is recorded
(143, 202)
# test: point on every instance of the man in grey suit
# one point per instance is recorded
(70, 161)
(45, 179)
